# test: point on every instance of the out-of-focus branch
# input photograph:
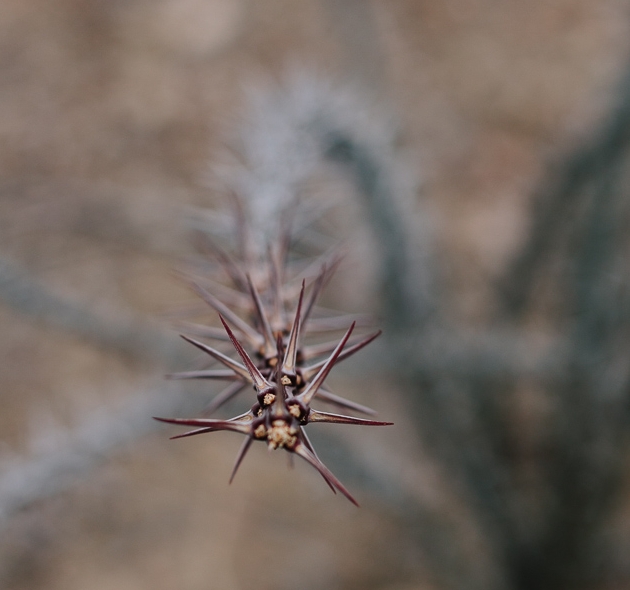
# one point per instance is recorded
(123, 334)
(67, 455)
(587, 458)
(425, 521)
(461, 414)
(494, 354)
(407, 289)
(451, 408)
(559, 198)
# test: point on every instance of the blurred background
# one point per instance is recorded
(478, 153)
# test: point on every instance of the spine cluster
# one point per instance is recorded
(267, 305)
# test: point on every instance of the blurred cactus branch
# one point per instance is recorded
(559, 196)
(446, 416)
(70, 454)
(585, 469)
(580, 219)
(583, 222)
(403, 300)
(125, 334)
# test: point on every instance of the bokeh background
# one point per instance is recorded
(505, 366)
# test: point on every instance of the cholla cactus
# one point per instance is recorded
(270, 312)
